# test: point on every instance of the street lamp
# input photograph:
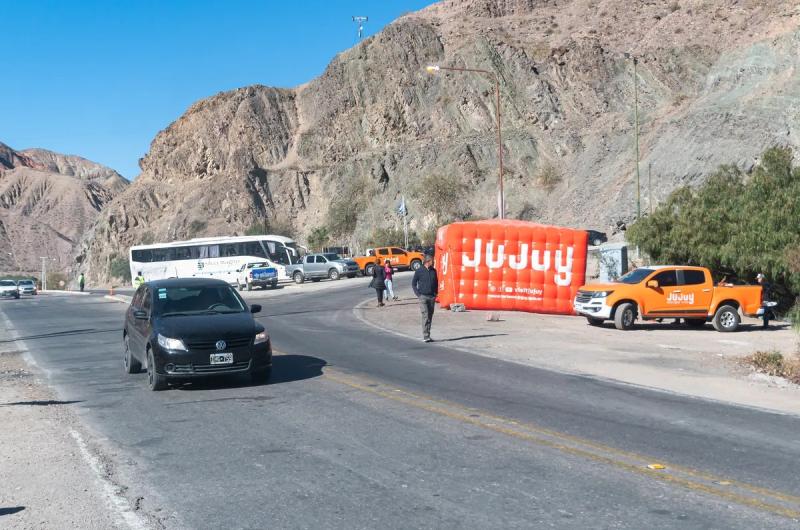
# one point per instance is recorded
(636, 131)
(44, 271)
(434, 69)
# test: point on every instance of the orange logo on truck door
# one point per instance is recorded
(510, 265)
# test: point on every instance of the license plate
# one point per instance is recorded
(221, 358)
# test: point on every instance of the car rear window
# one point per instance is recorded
(196, 300)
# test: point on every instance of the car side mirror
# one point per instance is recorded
(255, 308)
(140, 315)
(653, 284)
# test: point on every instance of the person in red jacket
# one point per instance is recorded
(387, 272)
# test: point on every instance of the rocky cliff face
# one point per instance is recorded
(48, 201)
(718, 81)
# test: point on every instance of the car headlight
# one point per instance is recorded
(261, 337)
(170, 344)
(601, 294)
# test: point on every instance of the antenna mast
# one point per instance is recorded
(360, 21)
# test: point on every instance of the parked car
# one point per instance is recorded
(9, 289)
(596, 238)
(257, 274)
(27, 287)
(399, 258)
(669, 291)
(184, 328)
(315, 267)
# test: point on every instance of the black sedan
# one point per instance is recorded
(193, 327)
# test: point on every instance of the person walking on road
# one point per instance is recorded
(81, 281)
(387, 273)
(426, 286)
(138, 281)
(378, 282)
(766, 302)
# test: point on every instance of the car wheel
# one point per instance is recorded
(155, 380)
(597, 242)
(351, 275)
(132, 366)
(333, 274)
(726, 319)
(594, 321)
(315, 280)
(261, 375)
(298, 277)
(625, 316)
(274, 285)
(416, 264)
(368, 269)
(695, 322)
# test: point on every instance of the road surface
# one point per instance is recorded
(363, 429)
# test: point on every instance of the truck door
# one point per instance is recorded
(309, 265)
(399, 257)
(695, 291)
(321, 267)
(659, 301)
(383, 255)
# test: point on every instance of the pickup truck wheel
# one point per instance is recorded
(594, 321)
(416, 264)
(368, 269)
(695, 322)
(298, 277)
(726, 319)
(333, 274)
(625, 316)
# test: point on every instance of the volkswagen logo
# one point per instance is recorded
(221, 345)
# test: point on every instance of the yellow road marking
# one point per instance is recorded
(514, 428)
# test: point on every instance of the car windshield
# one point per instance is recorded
(25, 282)
(634, 276)
(256, 265)
(332, 257)
(173, 301)
(6, 283)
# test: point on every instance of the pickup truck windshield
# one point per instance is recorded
(332, 257)
(635, 276)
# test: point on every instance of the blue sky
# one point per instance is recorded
(100, 78)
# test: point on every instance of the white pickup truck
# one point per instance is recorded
(257, 274)
(9, 289)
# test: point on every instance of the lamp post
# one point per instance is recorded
(44, 272)
(433, 69)
(636, 132)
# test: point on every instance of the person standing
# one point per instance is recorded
(378, 282)
(766, 295)
(138, 281)
(426, 286)
(81, 281)
(387, 273)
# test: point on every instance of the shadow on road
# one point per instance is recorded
(467, 337)
(44, 403)
(285, 369)
(68, 332)
(743, 328)
(11, 511)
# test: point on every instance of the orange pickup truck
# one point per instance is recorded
(399, 258)
(668, 292)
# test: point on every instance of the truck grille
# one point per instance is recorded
(209, 368)
(583, 297)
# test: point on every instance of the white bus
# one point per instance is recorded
(212, 257)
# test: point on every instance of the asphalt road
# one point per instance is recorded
(364, 429)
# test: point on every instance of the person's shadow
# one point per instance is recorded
(11, 511)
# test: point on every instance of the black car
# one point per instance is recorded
(596, 237)
(193, 327)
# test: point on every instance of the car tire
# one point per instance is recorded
(594, 321)
(726, 319)
(333, 274)
(261, 376)
(368, 269)
(695, 322)
(274, 285)
(416, 264)
(132, 366)
(315, 280)
(155, 380)
(351, 276)
(298, 277)
(625, 316)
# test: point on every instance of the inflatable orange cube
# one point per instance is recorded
(510, 265)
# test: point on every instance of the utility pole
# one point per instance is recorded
(636, 134)
(44, 273)
(650, 187)
(360, 21)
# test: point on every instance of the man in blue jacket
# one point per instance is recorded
(426, 286)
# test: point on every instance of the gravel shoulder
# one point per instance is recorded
(694, 362)
(52, 473)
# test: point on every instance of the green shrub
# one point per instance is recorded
(318, 238)
(391, 237)
(443, 196)
(120, 268)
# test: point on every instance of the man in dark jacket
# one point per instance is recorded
(426, 286)
(766, 297)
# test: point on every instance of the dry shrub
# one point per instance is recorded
(774, 363)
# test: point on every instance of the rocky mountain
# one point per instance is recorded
(48, 201)
(718, 81)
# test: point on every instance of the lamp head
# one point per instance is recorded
(432, 68)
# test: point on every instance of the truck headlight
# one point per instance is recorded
(171, 344)
(601, 294)
(261, 337)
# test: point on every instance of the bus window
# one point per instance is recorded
(142, 256)
(183, 253)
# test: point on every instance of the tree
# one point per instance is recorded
(734, 223)
(318, 238)
(442, 196)
(120, 268)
